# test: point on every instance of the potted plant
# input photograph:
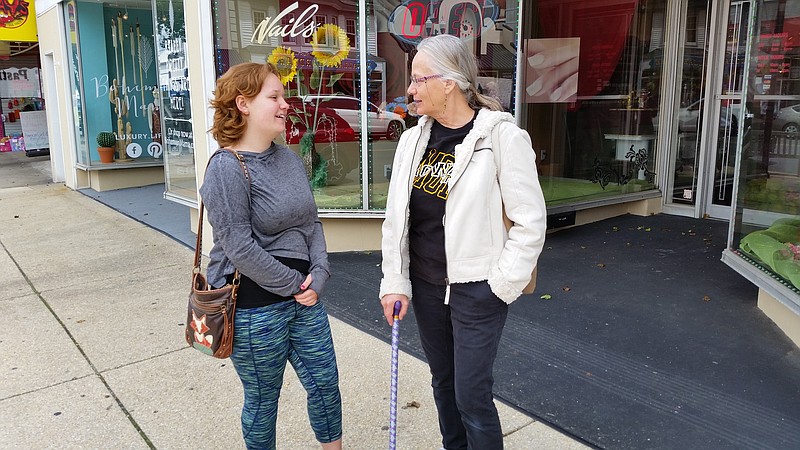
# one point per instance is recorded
(106, 146)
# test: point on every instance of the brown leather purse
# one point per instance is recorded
(209, 321)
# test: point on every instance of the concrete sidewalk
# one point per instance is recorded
(94, 356)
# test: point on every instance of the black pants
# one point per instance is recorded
(460, 341)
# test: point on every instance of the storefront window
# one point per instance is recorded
(115, 75)
(591, 84)
(172, 104)
(346, 138)
(766, 227)
(690, 104)
(394, 29)
(318, 63)
(70, 10)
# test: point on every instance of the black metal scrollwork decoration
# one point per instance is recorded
(637, 159)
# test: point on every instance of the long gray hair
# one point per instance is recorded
(450, 57)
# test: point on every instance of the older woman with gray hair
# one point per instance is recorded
(446, 246)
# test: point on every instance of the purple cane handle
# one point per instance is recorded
(393, 393)
(397, 307)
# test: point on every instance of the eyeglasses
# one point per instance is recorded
(420, 80)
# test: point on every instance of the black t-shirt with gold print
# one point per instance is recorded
(428, 197)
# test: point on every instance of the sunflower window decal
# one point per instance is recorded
(330, 46)
(284, 60)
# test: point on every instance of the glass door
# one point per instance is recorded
(693, 52)
(731, 118)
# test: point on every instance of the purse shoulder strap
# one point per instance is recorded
(198, 248)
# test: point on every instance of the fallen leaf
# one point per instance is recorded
(647, 229)
(566, 288)
(412, 404)
(706, 298)
(601, 265)
(546, 297)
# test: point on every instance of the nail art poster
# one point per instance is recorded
(551, 70)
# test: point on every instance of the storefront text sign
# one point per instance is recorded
(34, 128)
(304, 25)
(19, 82)
(178, 136)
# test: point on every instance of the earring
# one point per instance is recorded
(445, 104)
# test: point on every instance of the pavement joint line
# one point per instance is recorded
(97, 373)
(46, 387)
(150, 358)
(519, 428)
(536, 418)
(14, 297)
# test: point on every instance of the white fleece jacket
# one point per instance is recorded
(477, 245)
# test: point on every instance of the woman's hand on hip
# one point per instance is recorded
(388, 302)
(306, 296)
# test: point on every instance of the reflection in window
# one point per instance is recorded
(73, 48)
(693, 54)
(393, 30)
(173, 74)
(319, 61)
(317, 64)
(591, 88)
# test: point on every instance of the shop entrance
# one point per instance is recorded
(709, 105)
(730, 111)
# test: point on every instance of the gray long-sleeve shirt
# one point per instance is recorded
(274, 216)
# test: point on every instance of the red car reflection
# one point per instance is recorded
(331, 127)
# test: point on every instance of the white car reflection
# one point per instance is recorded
(381, 123)
(787, 120)
(689, 117)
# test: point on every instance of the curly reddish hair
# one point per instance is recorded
(244, 79)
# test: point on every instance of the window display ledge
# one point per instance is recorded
(768, 282)
(181, 200)
(356, 214)
(589, 204)
(120, 165)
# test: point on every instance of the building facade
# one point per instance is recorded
(687, 107)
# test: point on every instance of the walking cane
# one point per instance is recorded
(393, 394)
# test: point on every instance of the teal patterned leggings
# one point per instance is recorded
(265, 339)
